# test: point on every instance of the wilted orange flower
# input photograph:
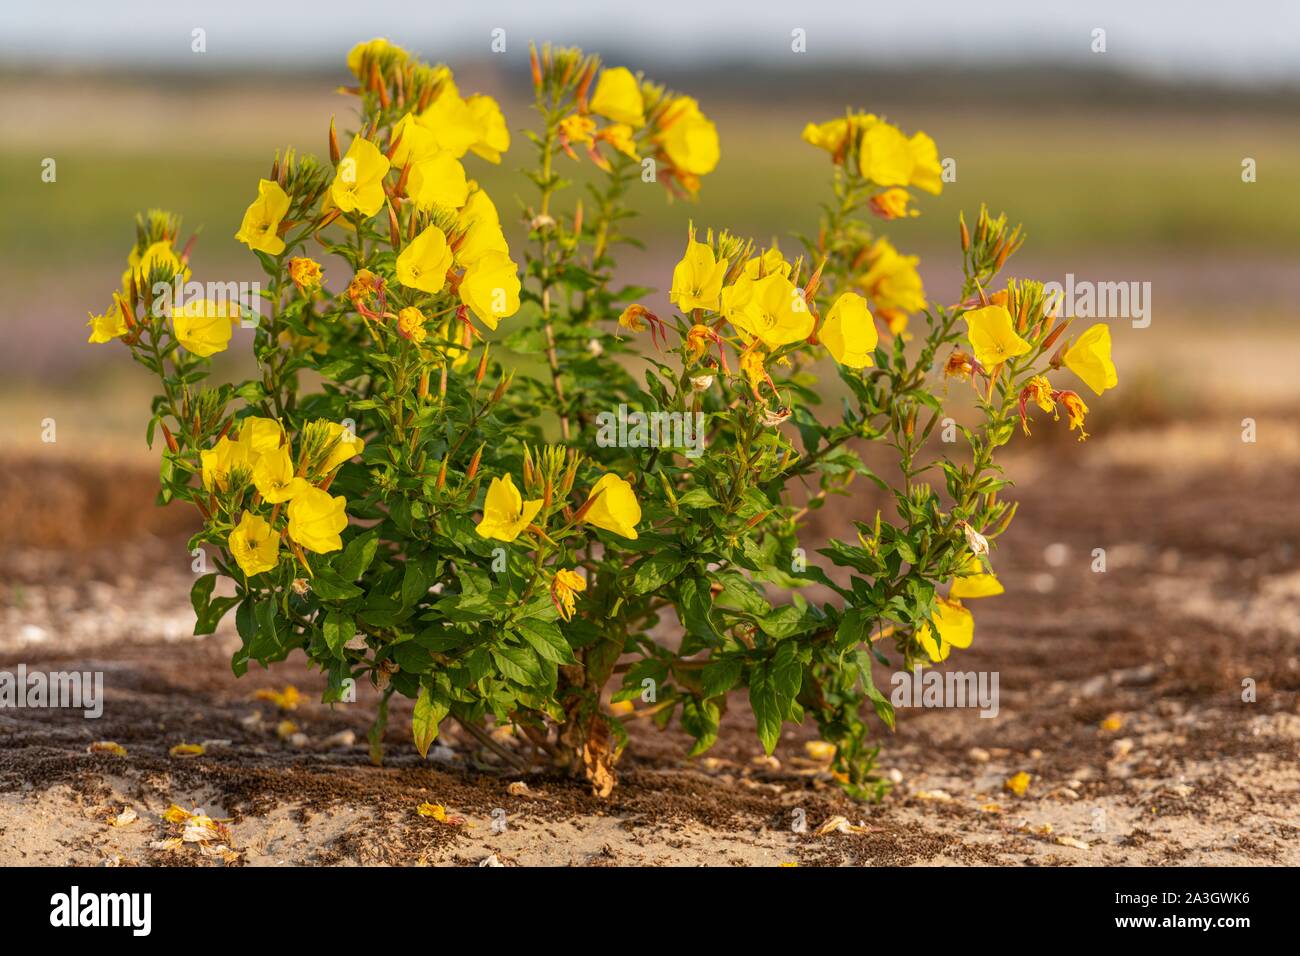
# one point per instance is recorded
(892, 204)
(1075, 409)
(1039, 391)
(960, 365)
(306, 273)
(564, 586)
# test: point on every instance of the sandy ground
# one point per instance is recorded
(1201, 592)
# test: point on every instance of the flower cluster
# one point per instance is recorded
(412, 489)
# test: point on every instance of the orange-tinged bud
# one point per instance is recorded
(442, 475)
(474, 463)
(482, 365)
(965, 233)
(423, 390)
(534, 66)
(334, 143)
(171, 441)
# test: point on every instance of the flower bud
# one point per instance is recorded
(334, 143)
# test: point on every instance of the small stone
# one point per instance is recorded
(895, 775)
(1122, 747)
(978, 754)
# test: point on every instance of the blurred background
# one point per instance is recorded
(1124, 165)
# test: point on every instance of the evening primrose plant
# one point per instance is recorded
(413, 489)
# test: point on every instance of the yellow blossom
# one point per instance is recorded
(975, 582)
(564, 586)
(833, 134)
(993, 337)
(505, 513)
(414, 141)
(347, 447)
(490, 287)
(423, 264)
(286, 699)
(688, 138)
(849, 332)
(359, 183)
(204, 327)
(1089, 358)
(892, 284)
(255, 545)
(305, 273)
(884, 155)
(927, 173)
(956, 627)
(274, 476)
(619, 136)
(697, 279)
(316, 518)
(577, 129)
(612, 506)
(262, 435)
(410, 324)
(453, 123)
(109, 326)
(260, 228)
(892, 204)
(159, 258)
(438, 180)
(618, 97)
(776, 313)
(493, 135)
(225, 461)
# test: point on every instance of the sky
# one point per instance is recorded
(1239, 42)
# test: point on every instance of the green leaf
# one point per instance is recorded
(339, 629)
(430, 708)
(653, 572)
(719, 676)
(356, 557)
(519, 664)
(546, 638)
(329, 586)
(766, 707)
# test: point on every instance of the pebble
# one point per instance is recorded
(1122, 747)
(978, 754)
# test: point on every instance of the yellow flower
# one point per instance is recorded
(423, 264)
(751, 364)
(414, 141)
(273, 475)
(776, 313)
(849, 332)
(493, 134)
(438, 180)
(619, 136)
(975, 582)
(564, 586)
(263, 436)
(1089, 358)
(204, 327)
(255, 545)
(927, 173)
(224, 462)
(109, 326)
(377, 50)
(316, 518)
(618, 97)
(888, 158)
(1075, 409)
(305, 273)
(490, 287)
(505, 513)
(833, 134)
(892, 284)
(453, 122)
(261, 225)
(955, 625)
(993, 337)
(347, 447)
(410, 324)
(359, 183)
(577, 129)
(612, 506)
(884, 155)
(688, 138)
(892, 204)
(158, 258)
(697, 279)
